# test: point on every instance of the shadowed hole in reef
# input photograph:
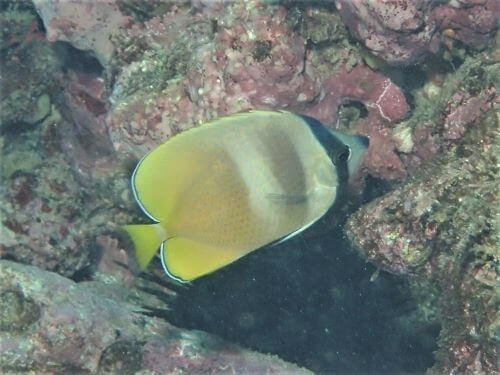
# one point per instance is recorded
(311, 302)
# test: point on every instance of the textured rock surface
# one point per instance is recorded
(72, 129)
(403, 32)
(87, 25)
(51, 324)
(167, 81)
(441, 227)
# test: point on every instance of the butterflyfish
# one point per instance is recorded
(233, 185)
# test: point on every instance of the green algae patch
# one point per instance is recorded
(22, 160)
(123, 356)
(154, 65)
(17, 312)
(16, 25)
(41, 109)
(262, 50)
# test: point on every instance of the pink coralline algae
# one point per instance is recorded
(402, 32)
(51, 324)
(393, 30)
(472, 21)
(463, 110)
(40, 224)
(386, 105)
(275, 76)
(381, 97)
(256, 63)
(87, 143)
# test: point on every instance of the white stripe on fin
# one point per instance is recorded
(293, 234)
(165, 268)
(134, 191)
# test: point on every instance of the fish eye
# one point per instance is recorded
(345, 155)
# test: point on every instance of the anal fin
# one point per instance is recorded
(185, 260)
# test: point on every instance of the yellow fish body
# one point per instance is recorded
(219, 191)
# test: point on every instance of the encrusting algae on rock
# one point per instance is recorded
(49, 323)
(441, 227)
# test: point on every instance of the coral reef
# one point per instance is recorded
(104, 82)
(24, 103)
(440, 226)
(237, 64)
(56, 155)
(161, 89)
(386, 105)
(403, 32)
(87, 25)
(51, 173)
(51, 324)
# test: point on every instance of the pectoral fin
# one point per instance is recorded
(287, 199)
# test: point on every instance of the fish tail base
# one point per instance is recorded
(145, 240)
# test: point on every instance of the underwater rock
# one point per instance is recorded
(51, 215)
(403, 32)
(19, 25)
(49, 323)
(398, 32)
(25, 102)
(381, 97)
(87, 25)
(386, 105)
(463, 110)
(17, 313)
(472, 22)
(440, 226)
(439, 122)
(41, 217)
(171, 73)
(170, 80)
(185, 64)
(63, 191)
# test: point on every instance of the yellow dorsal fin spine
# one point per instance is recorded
(147, 238)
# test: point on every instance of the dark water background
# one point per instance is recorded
(310, 300)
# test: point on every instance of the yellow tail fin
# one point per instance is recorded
(147, 238)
